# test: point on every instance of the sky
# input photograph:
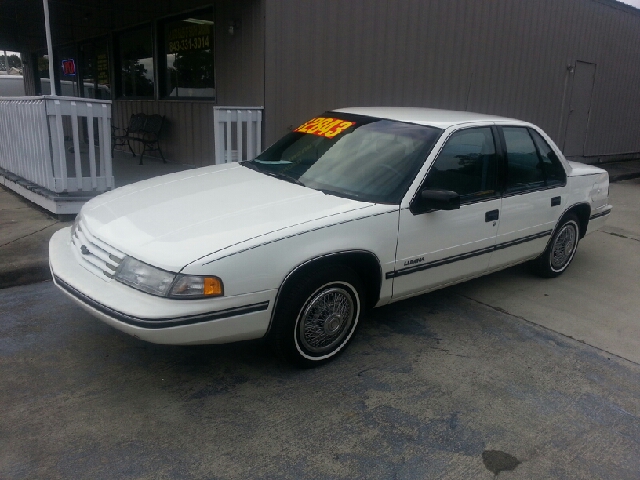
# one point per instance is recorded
(633, 3)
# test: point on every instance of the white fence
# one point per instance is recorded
(237, 133)
(60, 143)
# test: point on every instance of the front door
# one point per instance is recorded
(439, 247)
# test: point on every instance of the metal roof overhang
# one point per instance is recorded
(22, 21)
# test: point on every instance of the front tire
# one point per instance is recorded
(560, 250)
(317, 315)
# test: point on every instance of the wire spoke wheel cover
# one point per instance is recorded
(564, 246)
(326, 319)
(317, 314)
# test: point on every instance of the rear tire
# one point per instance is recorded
(560, 250)
(317, 315)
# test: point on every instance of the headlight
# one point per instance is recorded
(152, 280)
(144, 277)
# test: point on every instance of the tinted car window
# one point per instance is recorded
(466, 165)
(524, 168)
(551, 167)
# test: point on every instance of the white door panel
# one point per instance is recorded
(526, 223)
(443, 246)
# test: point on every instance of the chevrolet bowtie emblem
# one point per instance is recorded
(84, 250)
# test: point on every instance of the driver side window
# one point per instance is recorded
(467, 165)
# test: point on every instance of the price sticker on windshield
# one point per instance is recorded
(324, 127)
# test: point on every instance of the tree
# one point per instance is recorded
(14, 61)
(43, 67)
(192, 69)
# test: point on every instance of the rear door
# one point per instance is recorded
(438, 247)
(534, 196)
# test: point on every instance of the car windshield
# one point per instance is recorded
(353, 156)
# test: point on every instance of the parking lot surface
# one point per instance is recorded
(428, 386)
(497, 376)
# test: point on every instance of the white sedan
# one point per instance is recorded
(354, 209)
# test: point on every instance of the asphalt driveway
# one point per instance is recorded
(435, 387)
(509, 375)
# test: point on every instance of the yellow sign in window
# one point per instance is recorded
(324, 127)
(187, 38)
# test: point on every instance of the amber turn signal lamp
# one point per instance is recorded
(212, 286)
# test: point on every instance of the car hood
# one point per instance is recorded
(173, 220)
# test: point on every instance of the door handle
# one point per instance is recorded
(555, 201)
(492, 216)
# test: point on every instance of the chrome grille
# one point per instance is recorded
(93, 254)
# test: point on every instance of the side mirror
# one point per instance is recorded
(435, 200)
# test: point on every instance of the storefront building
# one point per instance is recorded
(567, 65)
(173, 60)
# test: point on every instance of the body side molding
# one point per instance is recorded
(160, 323)
(465, 256)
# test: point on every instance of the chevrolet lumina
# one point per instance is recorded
(354, 209)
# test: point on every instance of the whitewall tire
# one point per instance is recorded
(317, 315)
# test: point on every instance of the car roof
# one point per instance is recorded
(426, 116)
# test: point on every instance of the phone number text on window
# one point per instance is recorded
(190, 43)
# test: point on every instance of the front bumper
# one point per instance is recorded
(158, 319)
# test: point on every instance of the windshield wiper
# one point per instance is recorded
(279, 175)
(285, 177)
(351, 196)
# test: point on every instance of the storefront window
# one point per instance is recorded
(136, 63)
(102, 72)
(188, 57)
(94, 66)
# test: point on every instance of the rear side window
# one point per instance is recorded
(524, 170)
(552, 169)
(531, 164)
(467, 165)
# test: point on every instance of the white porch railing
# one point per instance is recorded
(59, 143)
(237, 133)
